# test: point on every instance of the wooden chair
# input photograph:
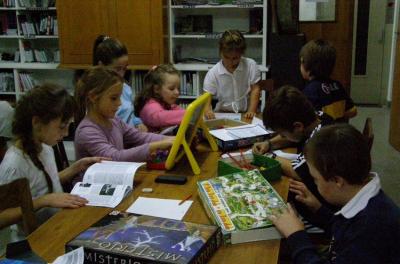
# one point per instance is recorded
(18, 194)
(368, 132)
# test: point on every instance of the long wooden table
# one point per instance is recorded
(49, 239)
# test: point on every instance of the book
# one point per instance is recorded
(128, 238)
(106, 183)
(240, 204)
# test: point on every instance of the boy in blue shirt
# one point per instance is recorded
(367, 227)
(317, 60)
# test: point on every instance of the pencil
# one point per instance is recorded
(184, 200)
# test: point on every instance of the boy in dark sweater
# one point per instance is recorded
(367, 227)
(317, 60)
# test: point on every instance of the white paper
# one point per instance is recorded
(289, 156)
(165, 208)
(76, 256)
(232, 116)
(112, 172)
(235, 154)
(247, 131)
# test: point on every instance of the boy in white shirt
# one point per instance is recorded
(233, 78)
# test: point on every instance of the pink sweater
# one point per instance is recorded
(156, 117)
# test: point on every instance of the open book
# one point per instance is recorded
(107, 183)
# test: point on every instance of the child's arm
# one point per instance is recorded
(77, 167)
(56, 200)
(154, 115)
(208, 112)
(254, 100)
(287, 168)
(277, 142)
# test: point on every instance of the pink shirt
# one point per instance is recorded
(156, 117)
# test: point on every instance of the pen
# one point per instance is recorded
(184, 200)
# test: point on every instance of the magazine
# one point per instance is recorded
(106, 183)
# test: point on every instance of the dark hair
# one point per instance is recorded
(106, 49)
(288, 105)
(47, 102)
(232, 40)
(318, 57)
(155, 77)
(95, 80)
(340, 150)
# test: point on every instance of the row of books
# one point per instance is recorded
(42, 55)
(8, 23)
(7, 3)
(215, 2)
(189, 84)
(40, 24)
(37, 3)
(6, 82)
(26, 81)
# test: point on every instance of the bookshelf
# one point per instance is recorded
(29, 51)
(195, 27)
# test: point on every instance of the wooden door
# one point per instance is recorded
(138, 24)
(394, 135)
(80, 22)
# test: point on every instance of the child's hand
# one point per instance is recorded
(287, 222)
(209, 114)
(249, 115)
(142, 128)
(62, 200)
(166, 143)
(261, 147)
(84, 163)
(304, 195)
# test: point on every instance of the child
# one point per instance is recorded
(292, 116)
(233, 78)
(100, 133)
(156, 103)
(41, 119)
(317, 59)
(111, 52)
(367, 227)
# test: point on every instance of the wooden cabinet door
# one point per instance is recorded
(138, 24)
(80, 22)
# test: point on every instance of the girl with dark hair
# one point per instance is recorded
(156, 103)
(41, 119)
(99, 132)
(111, 52)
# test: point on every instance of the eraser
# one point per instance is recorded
(147, 190)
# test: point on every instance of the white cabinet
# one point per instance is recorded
(194, 31)
(29, 47)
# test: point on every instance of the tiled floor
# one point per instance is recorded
(385, 159)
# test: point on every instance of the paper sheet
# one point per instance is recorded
(165, 208)
(75, 256)
(232, 116)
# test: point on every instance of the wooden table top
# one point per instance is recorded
(49, 240)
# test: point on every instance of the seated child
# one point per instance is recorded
(317, 59)
(156, 103)
(233, 78)
(42, 117)
(111, 52)
(367, 227)
(99, 132)
(292, 116)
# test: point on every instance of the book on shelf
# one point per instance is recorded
(7, 3)
(128, 238)
(26, 81)
(106, 183)
(38, 24)
(8, 23)
(240, 204)
(194, 24)
(7, 82)
(37, 3)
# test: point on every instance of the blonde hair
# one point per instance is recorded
(95, 80)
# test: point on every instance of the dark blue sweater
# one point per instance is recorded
(371, 236)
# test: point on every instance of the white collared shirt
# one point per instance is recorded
(232, 89)
(360, 200)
